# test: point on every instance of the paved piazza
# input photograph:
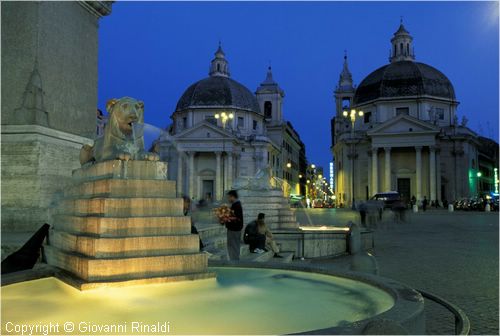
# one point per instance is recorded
(453, 255)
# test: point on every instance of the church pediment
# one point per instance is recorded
(403, 124)
(204, 130)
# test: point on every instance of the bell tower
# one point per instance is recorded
(270, 97)
(402, 45)
(344, 92)
(219, 65)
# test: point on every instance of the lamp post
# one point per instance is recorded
(352, 115)
(224, 117)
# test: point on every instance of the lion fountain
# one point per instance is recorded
(120, 140)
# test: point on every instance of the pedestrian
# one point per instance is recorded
(424, 203)
(187, 211)
(234, 226)
(308, 202)
(445, 203)
(413, 201)
(252, 237)
(362, 213)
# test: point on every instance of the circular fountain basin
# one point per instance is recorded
(239, 301)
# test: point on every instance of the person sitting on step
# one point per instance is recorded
(270, 242)
(255, 240)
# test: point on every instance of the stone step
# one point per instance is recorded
(286, 219)
(125, 247)
(83, 285)
(287, 257)
(266, 199)
(256, 257)
(116, 169)
(123, 188)
(214, 243)
(262, 207)
(286, 212)
(91, 269)
(123, 227)
(123, 207)
(244, 193)
(212, 231)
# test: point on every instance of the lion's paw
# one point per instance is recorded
(124, 156)
(151, 157)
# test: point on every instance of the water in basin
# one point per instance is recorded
(241, 300)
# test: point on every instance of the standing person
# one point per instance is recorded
(413, 201)
(234, 227)
(308, 202)
(424, 203)
(187, 210)
(362, 213)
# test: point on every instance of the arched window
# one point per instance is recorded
(268, 109)
(407, 49)
(394, 51)
(218, 67)
(401, 48)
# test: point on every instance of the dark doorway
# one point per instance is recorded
(404, 189)
(208, 190)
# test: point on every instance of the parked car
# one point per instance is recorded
(317, 203)
(389, 198)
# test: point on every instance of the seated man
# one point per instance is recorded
(253, 238)
(269, 243)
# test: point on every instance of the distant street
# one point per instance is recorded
(452, 255)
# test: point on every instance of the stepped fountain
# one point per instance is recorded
(121, 222)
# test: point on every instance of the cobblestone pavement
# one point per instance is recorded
(453, 255)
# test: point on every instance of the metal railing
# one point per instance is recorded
(462, 323)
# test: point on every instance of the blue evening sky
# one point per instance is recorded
(154, 50)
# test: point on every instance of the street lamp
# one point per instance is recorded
(224, 117)
(313, 166)
(289, 165)
(352, 116)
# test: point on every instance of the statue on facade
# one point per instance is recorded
(123, 137)
(464, 121)
(260, 181)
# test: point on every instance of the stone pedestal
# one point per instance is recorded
(120, 223)
(279, 215)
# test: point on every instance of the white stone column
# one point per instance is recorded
(179, 173)
(432, 172)
(438, 175)
(369, 172)
(218, 176)
(418, 164)
(191, 174)
(387, 168)
(229, 171)
(375, 170)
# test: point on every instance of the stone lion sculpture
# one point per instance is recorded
(119, 140)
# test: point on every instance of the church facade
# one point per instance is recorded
(399, 131)
(222, 131)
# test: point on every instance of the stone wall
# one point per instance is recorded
(59, 40)
(36, 164)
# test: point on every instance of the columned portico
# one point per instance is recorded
(418, 164)
(229, 172)
(387, 151)
(438, 175)
(179, 173)
(192, 173)
(218, 176)
(432, 172)
(375, 170)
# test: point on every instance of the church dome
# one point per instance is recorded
(403, 79)
(218, 91)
